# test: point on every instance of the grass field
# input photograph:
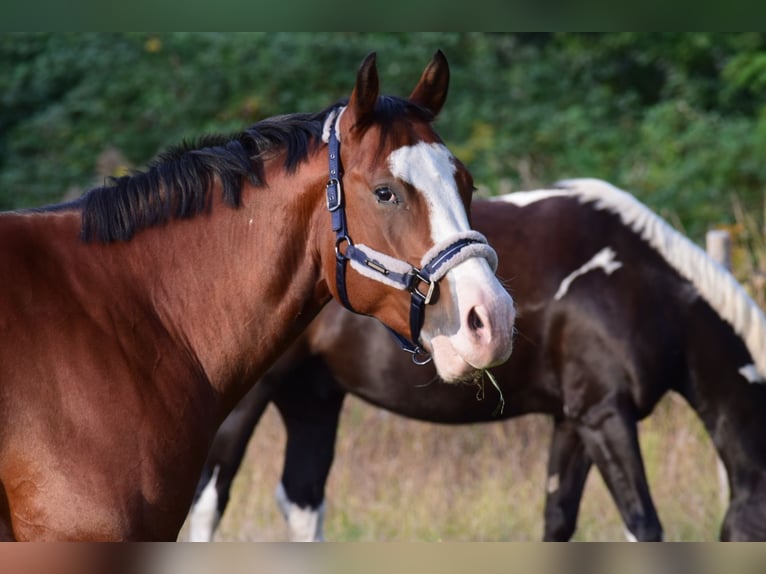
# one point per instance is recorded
(396, 479)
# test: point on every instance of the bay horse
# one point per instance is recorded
(615, 308)
(133, 319)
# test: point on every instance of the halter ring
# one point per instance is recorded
(419, 356)
(343, 238)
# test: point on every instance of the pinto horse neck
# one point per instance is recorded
(730, 399)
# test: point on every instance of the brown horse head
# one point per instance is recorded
(406, 199)
(162, 293)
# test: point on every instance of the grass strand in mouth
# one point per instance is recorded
(501, 405)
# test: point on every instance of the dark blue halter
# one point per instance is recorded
(422, 283)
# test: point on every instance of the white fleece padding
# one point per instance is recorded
(713, 282)
(475, 250)
(396, 265)
(333, 116)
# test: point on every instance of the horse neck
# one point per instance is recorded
(233, 288)
(730, 407)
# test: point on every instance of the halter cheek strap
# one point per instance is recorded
(421, 283)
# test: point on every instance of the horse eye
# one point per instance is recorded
(385, 195)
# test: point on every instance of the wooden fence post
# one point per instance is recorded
(718, 242)
(718, 245)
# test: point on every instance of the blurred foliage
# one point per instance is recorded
(679, 119)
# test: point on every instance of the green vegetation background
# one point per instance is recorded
(679, 119)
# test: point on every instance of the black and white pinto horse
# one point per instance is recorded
(615, 308)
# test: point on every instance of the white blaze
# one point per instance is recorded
(430, 168)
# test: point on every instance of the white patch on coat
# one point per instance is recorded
(714, 283)
(750, 372)
(604, 259)
(303, 524)
(204, 516)
(553, 484)
(629, 536)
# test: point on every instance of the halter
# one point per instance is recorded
(422, 283)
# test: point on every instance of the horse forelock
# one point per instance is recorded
(388, 112)
(713, 282)
(179, 182)
(394, 118)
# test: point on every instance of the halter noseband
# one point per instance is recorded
(422, 283)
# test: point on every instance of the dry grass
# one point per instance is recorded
(400, 480)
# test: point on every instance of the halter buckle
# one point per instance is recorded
(334, 194)
(425, 297)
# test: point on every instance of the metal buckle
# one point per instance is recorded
(337, 196)
(338, 255)
(431, 287)
(419, 356)
(376, 266)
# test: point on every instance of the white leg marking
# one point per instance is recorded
(604, 259)
(750, 372)
(204, 514)
(629, 536)
(553, 483)
(303, 524)
(723, 484)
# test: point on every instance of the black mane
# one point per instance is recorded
(178, 183)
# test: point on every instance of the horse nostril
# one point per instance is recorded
(474, 321)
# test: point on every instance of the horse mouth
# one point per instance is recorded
(453, 366)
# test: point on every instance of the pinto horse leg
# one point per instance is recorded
(310, 412)
(223, 462)
(744, 521)
(610, 434)
(568, 467)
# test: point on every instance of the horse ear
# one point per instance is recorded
(365, 94)
(431, 91)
